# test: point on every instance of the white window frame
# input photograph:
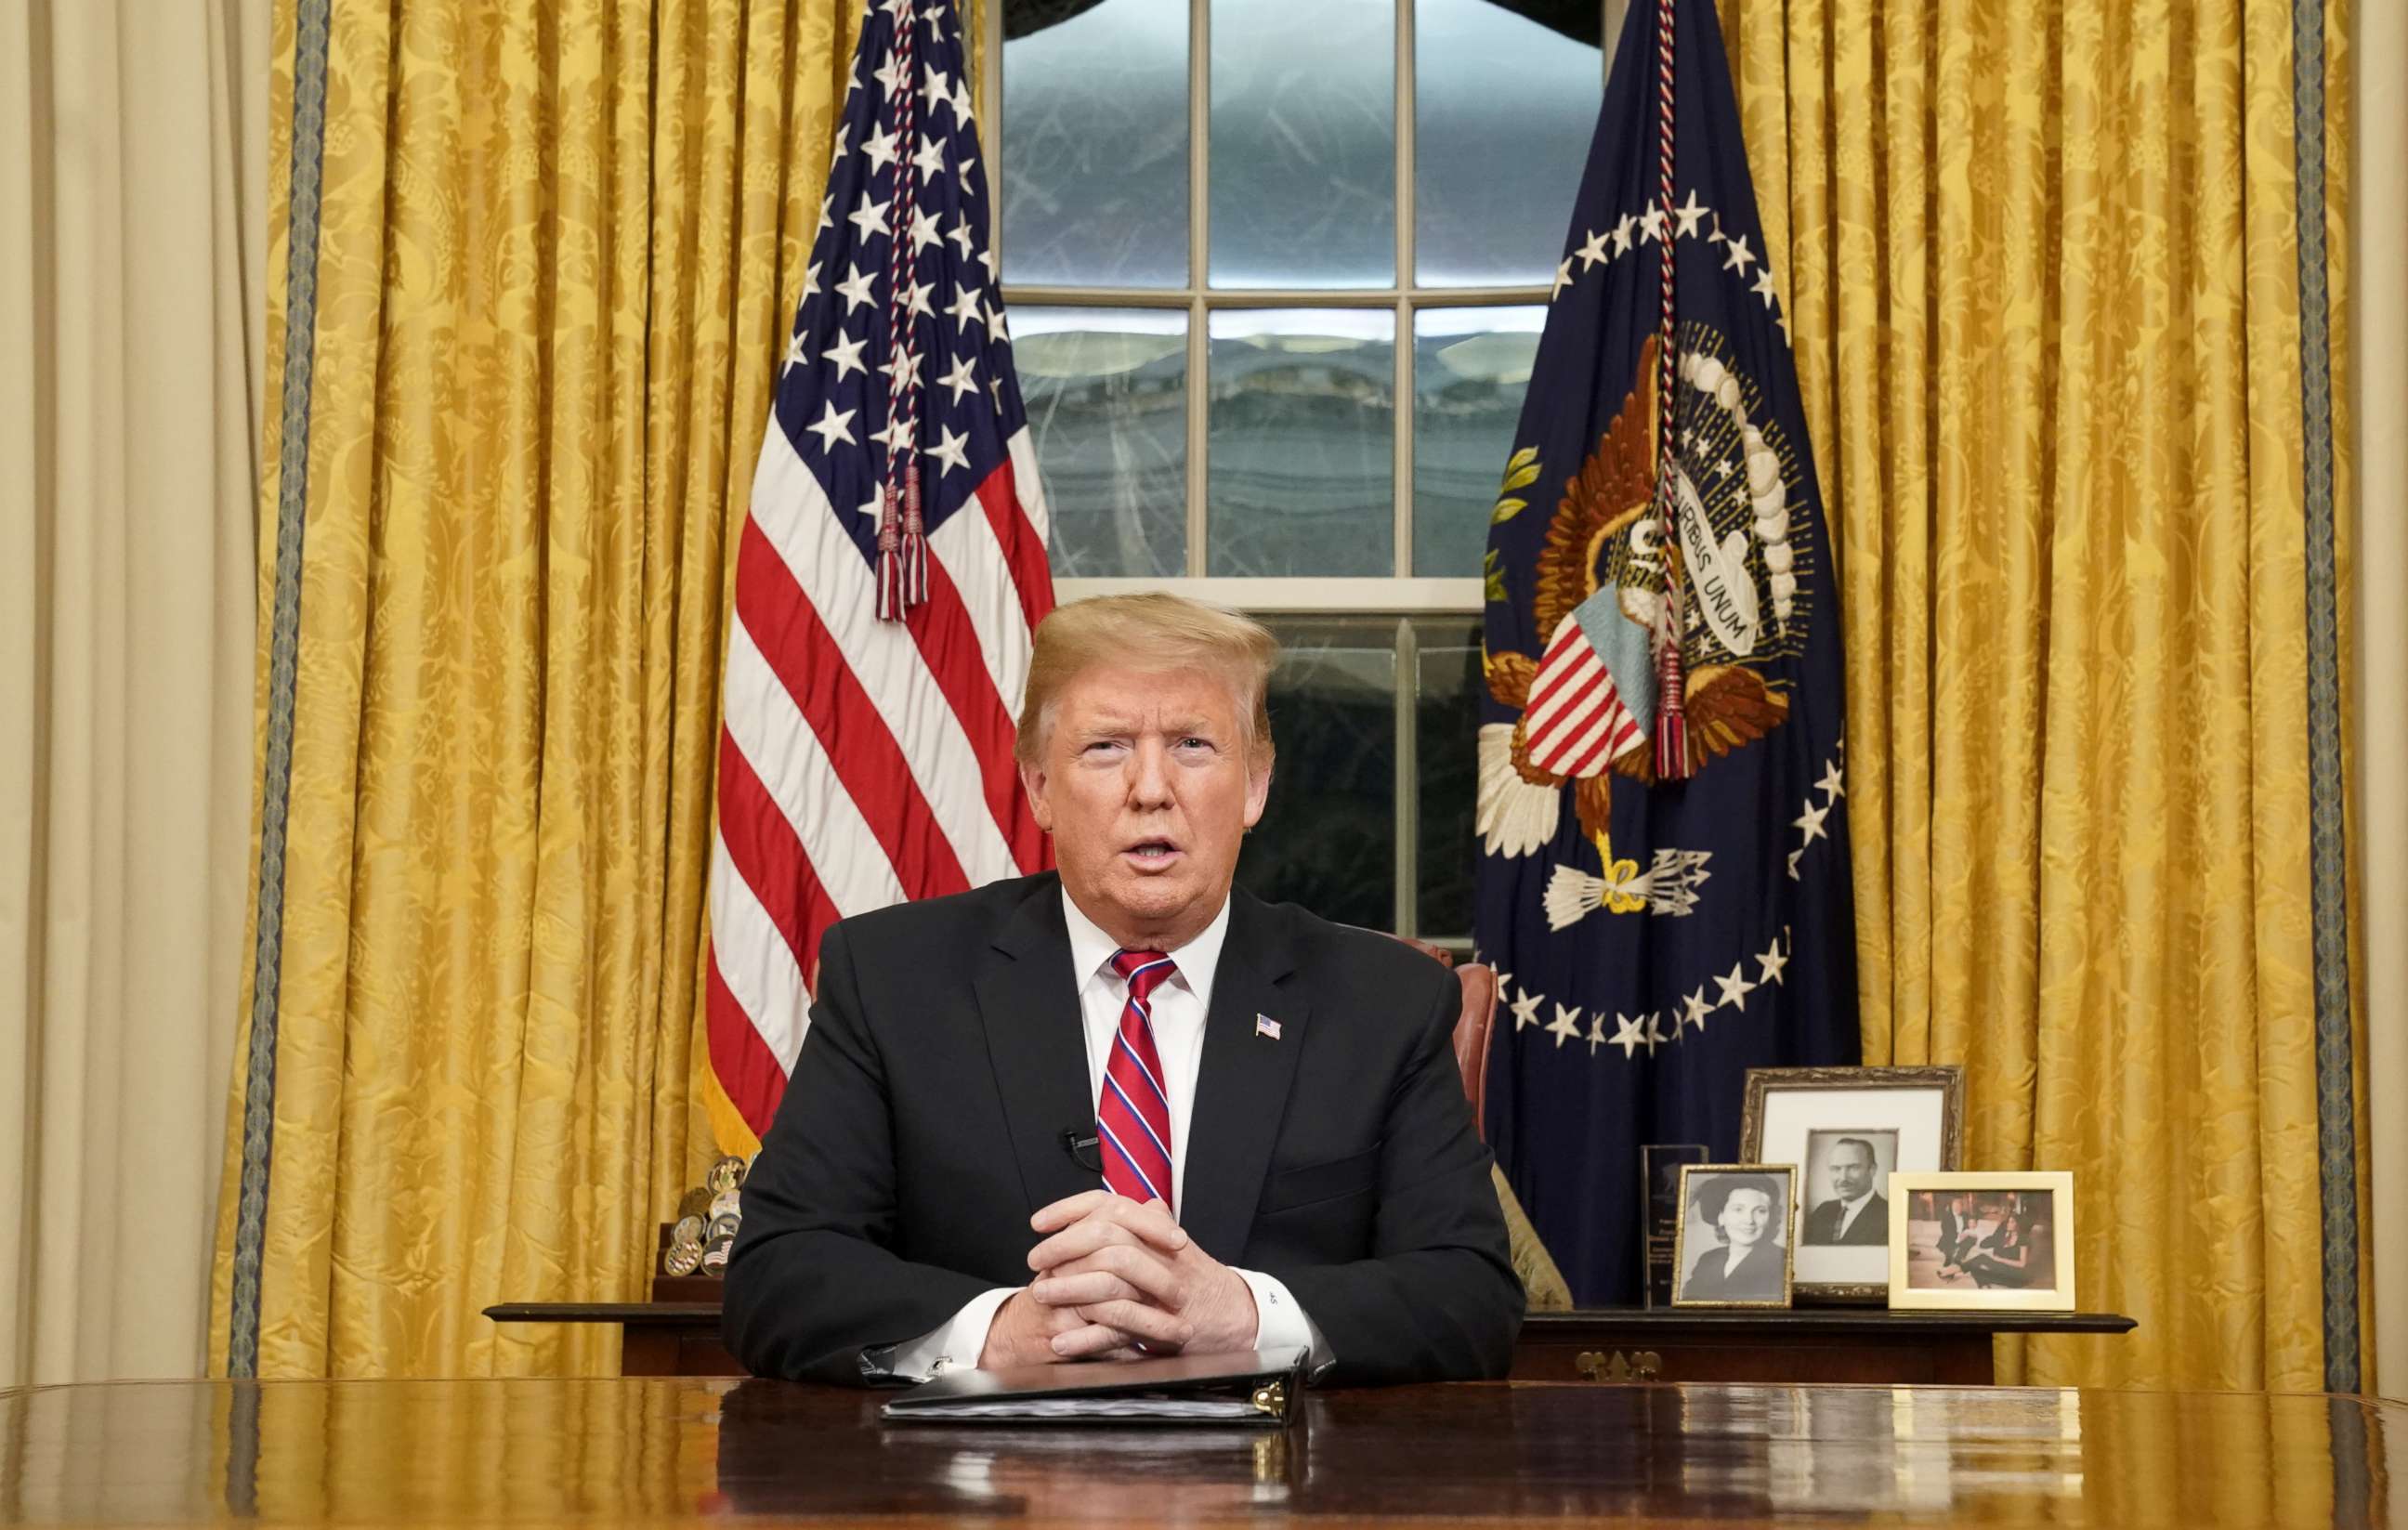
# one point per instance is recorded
(1400, 594)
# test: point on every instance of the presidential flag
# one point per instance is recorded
(889, 577)
(1663, 876)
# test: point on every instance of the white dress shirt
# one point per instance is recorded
(1848, 1211)
(1178, 1008)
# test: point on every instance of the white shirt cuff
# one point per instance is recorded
(1281, 1321)
(956, 1346)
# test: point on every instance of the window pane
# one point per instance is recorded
(1303, 437)
(1470, 367)
(1327, 838)
(1446, 722)
(1095, 171)
(1107, 392)
(1503, 109)
(1304, 143)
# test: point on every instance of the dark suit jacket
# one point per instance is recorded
(1757, 1278)
(1872, 1224)
(946, 1056)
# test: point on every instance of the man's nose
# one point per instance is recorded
(1150, 774)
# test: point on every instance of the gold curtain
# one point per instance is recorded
(2042, 268)
(557, 248)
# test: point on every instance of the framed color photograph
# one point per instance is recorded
(1976, 1241)
(1847, 1130)
(1737, 1227)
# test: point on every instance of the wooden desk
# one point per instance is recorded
(687, 1451)
(1672, 1344)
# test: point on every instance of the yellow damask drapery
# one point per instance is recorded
(555, 252)
(2043, 270)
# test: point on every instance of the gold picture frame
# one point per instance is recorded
(1982, 1222)
(1913, 1118)
(1692, 1186)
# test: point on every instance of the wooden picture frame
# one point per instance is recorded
(1689, 1248)
(1904, 1119)
(1979, 1240)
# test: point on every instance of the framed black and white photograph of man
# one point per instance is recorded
(1847, 1130)
(1736, 1235)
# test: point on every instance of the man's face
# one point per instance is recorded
(1851, 1171)
(1145, 787)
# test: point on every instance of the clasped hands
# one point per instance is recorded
(1112, 1275)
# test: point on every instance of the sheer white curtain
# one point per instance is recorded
(132, 232)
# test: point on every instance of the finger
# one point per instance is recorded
(1153, 1222)
(1136, 1319)
(1070, 1208)
(1080, 1239)
(1094, 1342)
(1155, 1277)
(1084, 1289)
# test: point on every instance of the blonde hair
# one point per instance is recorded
(1152, 633)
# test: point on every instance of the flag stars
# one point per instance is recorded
(965, 308)
(795, 356)
(1526, 1010)
(811, 284)
(1656, 1036)
(890, 75)
(1811, 821)
(962, 378)
(1773, 959)
(1738, 256)
(846, 355)
(923, 230)
(936, 91)
(1652, 226)
(962, 103)
(1831, 785)
(1763, 287)
(869, 218)
(896, 436)
(1565, 1026)
(1629, 1035)
(930, 160)
(903, 369)
(995, 322)
(1694, 1009)
(1593, 253)
(833, 427)
(1688, 214)
(1621, 234)
(960, 236)
(856, 288)
(1736, 988)
(953, 450)
(880, 149)
(1563, 280)
(917, 300)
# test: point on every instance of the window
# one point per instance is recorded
(1276, 273)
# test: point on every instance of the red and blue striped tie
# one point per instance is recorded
(1133, 1113)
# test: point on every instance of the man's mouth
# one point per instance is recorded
(1151, 855)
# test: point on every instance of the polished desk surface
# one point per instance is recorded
(683, 1450)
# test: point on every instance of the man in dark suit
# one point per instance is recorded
(1200, 1122)
(1855, 1214)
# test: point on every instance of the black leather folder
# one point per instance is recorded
(1256, 1388)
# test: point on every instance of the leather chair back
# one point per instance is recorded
(1471, 1026)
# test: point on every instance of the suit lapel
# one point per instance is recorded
(1242, 1088)
(1029, 1000)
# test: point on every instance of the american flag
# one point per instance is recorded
(889, 576)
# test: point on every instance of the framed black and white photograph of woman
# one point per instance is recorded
(1733, 1247)
(1979, 1241)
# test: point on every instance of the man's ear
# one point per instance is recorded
(1032, 781)
(1258, 792)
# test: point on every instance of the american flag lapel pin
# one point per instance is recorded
(1266, 1025)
